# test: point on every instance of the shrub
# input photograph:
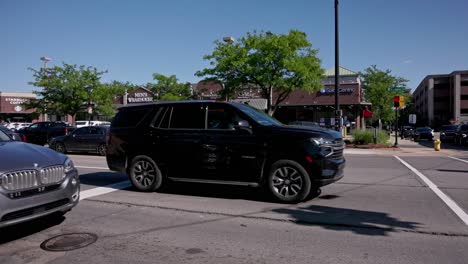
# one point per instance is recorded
(364, 137)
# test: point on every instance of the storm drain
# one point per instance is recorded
(67, 242)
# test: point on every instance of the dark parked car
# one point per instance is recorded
(407, 132)
(34, 182)
(448, 133)
(224, 143)
(461, 137)
(423, 133)
(42, 132)
(83, 139)
(13, 135)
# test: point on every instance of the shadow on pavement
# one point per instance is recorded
(22, 230)
(100, 179)
(460, 171)
(343, 219)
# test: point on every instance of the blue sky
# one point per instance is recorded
(134, 39)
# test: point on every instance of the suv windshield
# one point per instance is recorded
(4, 137)
(260, 117)
(445, 128)
(424, 129)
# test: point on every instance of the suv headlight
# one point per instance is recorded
(69, 166)
(324, 145)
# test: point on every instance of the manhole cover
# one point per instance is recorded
(67, 242)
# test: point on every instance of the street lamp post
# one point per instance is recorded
(337, 73)
(45, 60)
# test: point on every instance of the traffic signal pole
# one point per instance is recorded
(396, 127)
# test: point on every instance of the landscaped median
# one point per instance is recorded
(365, 139)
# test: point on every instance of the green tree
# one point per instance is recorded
(66, 90)
(377, 86)
(105, 94)
(168, 88)
(277, 64)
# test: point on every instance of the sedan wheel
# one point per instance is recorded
(145, 174)
(59, 147)
(288, 181)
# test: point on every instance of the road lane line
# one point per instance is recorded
(458, 159)
(447, 200)
(86, 167)
(104, 190)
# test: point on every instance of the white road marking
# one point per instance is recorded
(458, 159)
(104, 190)
(447, 200)
(359, 152)
(86, 167)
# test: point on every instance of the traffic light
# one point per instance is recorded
(402, 101)
(396, 101)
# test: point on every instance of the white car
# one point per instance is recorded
(91, 123)
(15, 126)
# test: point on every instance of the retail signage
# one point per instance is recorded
(332, 90)
(140, 97)
(16, 101)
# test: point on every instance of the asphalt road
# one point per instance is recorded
(380, 212)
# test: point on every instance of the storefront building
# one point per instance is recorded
(13, 109)
(303, 106)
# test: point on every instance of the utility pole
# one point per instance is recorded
(337, 73)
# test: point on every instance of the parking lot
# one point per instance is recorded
(405, 206)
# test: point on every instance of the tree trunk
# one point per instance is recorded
(73, 119)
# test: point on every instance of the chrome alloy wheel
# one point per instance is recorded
(287, 182)
(144, 173)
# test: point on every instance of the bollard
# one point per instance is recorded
(437, 145)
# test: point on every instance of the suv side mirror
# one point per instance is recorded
(244, 126)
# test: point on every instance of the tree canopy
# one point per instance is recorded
(106, 93)
(65, 90)
(168, 88)
(278, 64)
(377, 86)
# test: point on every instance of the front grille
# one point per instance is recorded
(34, 210)
(337, 153)
(29, 179)
(52, 175)
(19, 180)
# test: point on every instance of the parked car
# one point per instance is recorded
(15, 136)
(304, 123)
(91, 123)
(222, 143)
(407, 132)
(461, 136)
(42, 132)
(34, 182)
(84, 139)
(423, 133)
(448, 133)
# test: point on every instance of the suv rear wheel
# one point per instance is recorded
(288, 181)
(144, 174)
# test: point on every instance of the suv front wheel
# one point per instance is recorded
(288, 181)
(144, 174)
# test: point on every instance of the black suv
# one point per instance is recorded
(224, 143)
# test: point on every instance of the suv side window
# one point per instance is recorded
(130, 117)
(222, 117)
(188, 116)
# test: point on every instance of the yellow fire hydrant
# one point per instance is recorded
(437, 145)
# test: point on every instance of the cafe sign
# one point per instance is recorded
(16, 101)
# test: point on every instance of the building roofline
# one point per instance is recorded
(16, 94)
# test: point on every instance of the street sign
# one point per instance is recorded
(398, 89)
(412, 119)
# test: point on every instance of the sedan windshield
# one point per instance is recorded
(260, 117)
(4, 137)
